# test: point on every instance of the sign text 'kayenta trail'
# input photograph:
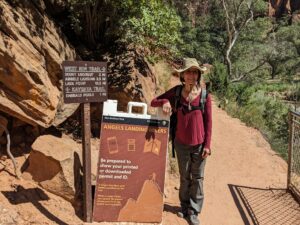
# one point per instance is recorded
(84, 81)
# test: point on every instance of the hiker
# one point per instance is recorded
(192, 134)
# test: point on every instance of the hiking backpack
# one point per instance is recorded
(173, 118)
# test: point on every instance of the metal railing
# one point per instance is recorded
(293, 180)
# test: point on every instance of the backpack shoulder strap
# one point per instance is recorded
(173, 119)
(203, 98)
(178, 90)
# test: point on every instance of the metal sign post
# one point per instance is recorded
(85, 82)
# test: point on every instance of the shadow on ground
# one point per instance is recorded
(171, 208)
(33, 195)
(265, 206)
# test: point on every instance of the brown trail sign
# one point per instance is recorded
(131, 166)
(85, 82)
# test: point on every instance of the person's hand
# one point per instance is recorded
(206, 152)
(167, 109)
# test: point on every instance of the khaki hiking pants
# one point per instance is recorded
(191, 170)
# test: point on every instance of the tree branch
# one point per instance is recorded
(227, 16)
(239, 9)
(248, 73)
(251, 16)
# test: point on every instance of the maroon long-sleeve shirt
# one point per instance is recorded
(193, 127)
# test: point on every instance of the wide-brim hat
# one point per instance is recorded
(190, 63)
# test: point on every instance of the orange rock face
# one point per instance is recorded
(32, 49)
(279, 7)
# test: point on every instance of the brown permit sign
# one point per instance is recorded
(84, 81)
(131, 170)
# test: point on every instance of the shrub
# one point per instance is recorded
(156, 26)
(266, 113)
(253, 109)
(218, 78)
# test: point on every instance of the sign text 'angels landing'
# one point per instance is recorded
(84, 81)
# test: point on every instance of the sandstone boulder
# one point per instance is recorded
(95, 144)
(54, 164)
(32, 49)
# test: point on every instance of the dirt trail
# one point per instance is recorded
(243, 184)
(244, 179)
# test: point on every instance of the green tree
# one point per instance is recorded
(156, 26)
(201, 31)
(152, 23)
(238, 14)
(287, 56)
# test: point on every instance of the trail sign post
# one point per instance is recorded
(85, 82)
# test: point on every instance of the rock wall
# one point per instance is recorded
(279, 7)
(130, 77)
(32, 49)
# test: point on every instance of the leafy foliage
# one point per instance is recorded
(152, 24)
(202, 38)
(219, 79)
(156, 25)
